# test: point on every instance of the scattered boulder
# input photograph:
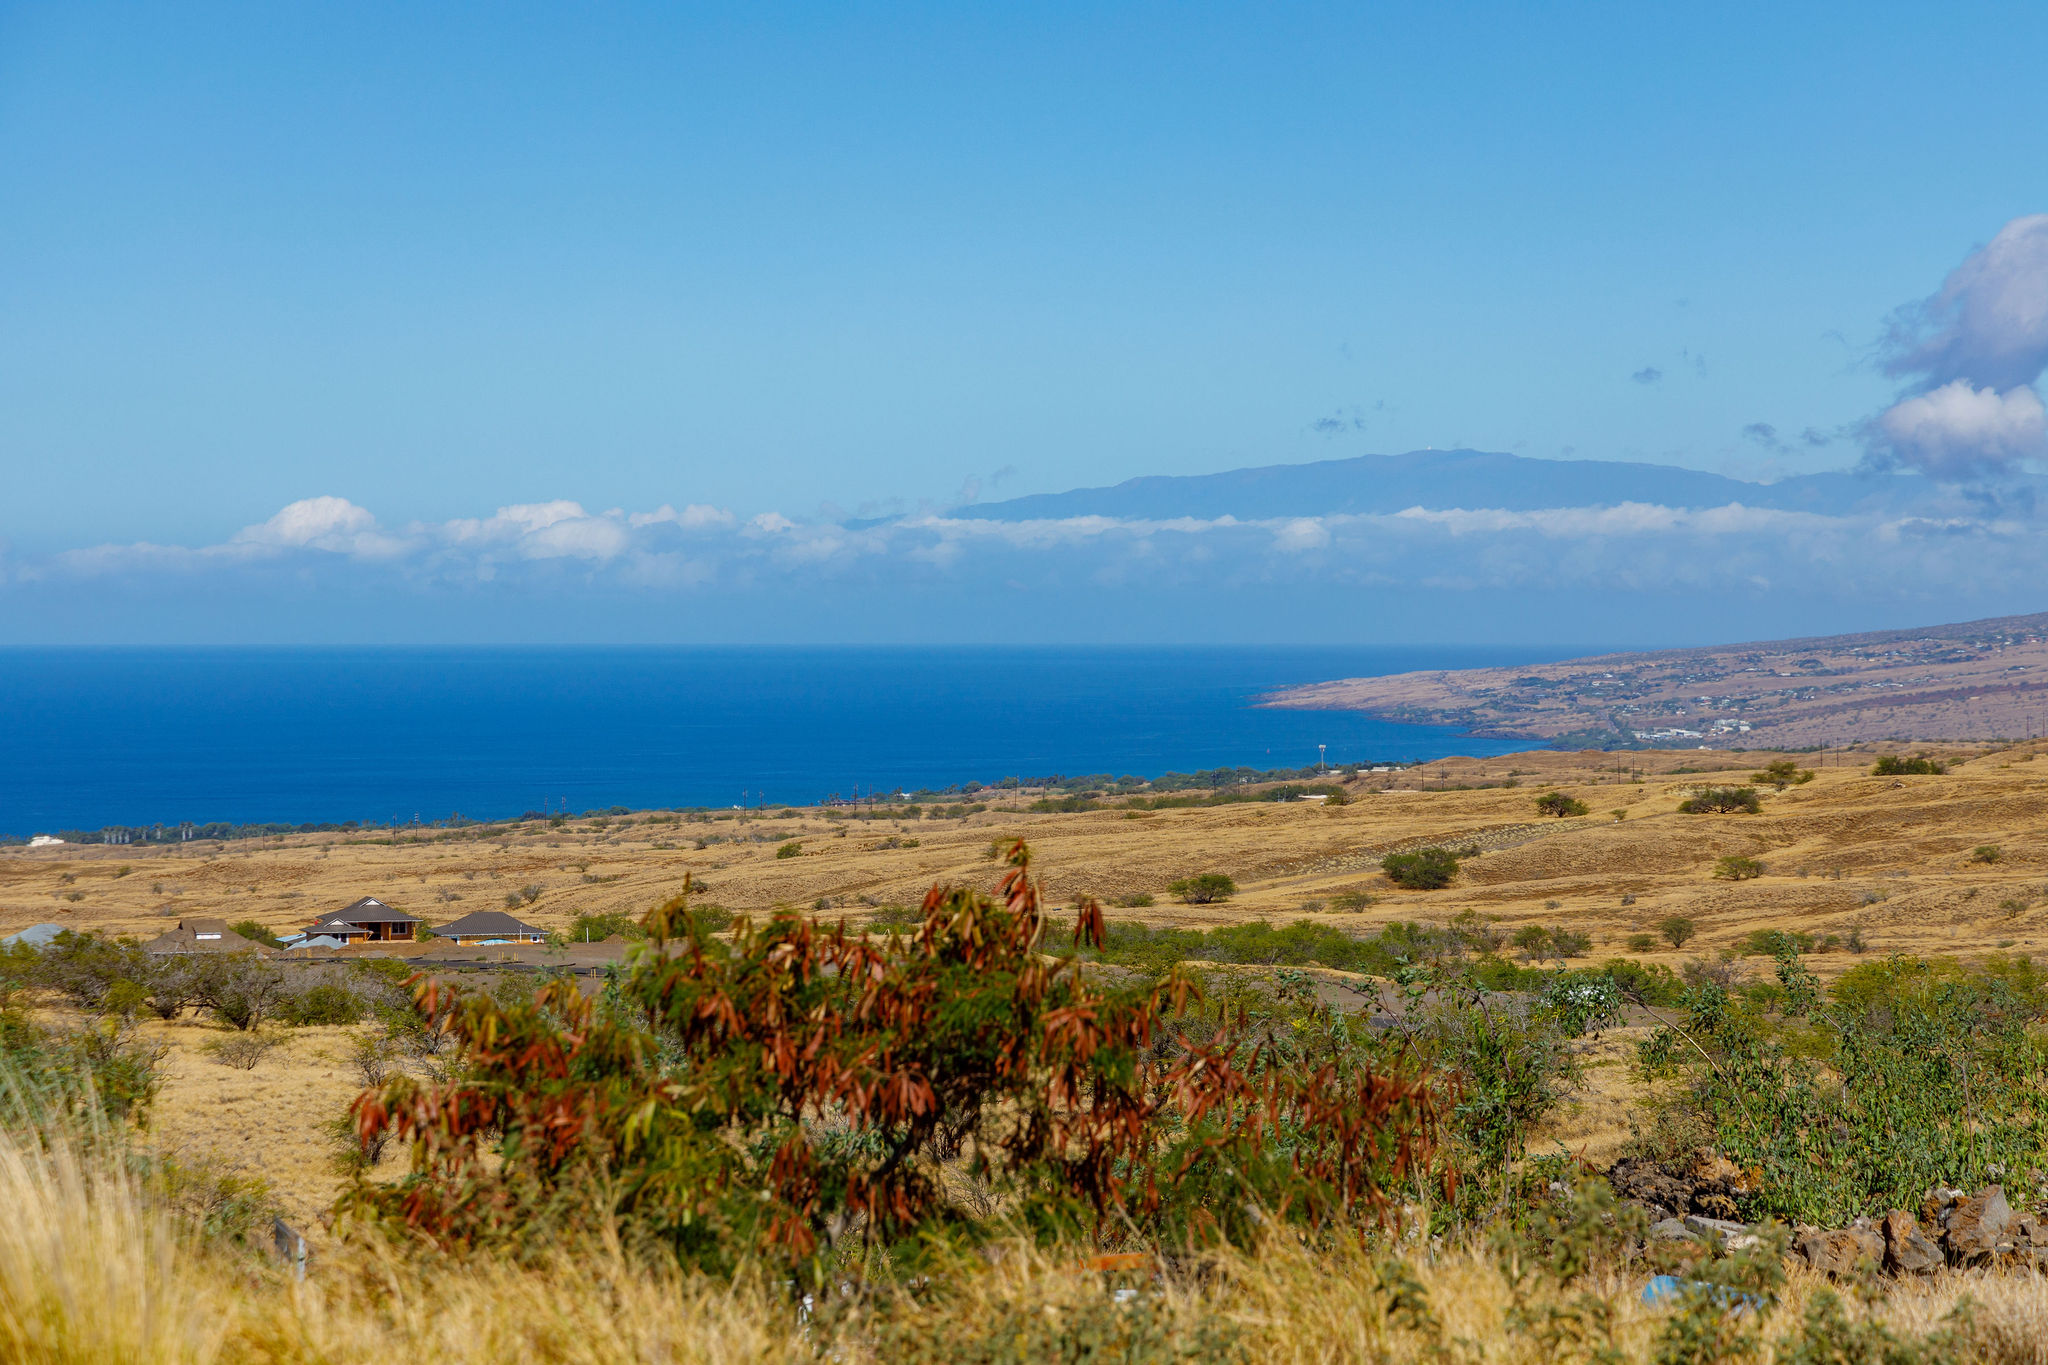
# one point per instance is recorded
(1709, 1184)
(1664, 1191)
(1671, 1230)
(1934, 1209)
(1843, 1253)
(1977, 1228)
(1907, 1250)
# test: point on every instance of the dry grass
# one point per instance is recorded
(90, 1272)
(1892, 858)
(1906, 848)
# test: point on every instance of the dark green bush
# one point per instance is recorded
(1772, 942)
(1781, 774)
(1203, 888)
(1559, 804)
(598, 928)
(1427, 869)
(1929, 1073)
(324, 1003)
(1891, 765)
(1722, 801)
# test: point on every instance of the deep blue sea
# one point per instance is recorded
(93, 737)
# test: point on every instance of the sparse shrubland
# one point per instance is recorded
(970, 1130)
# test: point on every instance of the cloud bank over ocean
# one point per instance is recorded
(1946, 517)
(1101, 571)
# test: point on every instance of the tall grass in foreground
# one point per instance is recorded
(93, 1270)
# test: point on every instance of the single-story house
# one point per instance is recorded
(490, 926)
(201, 935)
(369, 920)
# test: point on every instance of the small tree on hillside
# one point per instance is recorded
(1722, 801)
(1559, 804)
(1426, 869)
(1677, 930)
(1891, 765)
(1781, 774)
(1203, 888)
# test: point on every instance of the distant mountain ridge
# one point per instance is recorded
(1385, 484)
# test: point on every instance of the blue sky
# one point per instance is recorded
(820, 262)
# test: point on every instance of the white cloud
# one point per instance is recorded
(1975, 348)
(1301, 533)
(1957, 431)
(695, 517)
(324, 523)
(1989, 322)
(1643, 547)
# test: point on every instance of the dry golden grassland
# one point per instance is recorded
(1894, 857)
(90, 1271)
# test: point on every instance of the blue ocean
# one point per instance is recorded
(97, 737)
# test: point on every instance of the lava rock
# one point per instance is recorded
(1841, 1253)
(1907, 1250)
(1977, 1227)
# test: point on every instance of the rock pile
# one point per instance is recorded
(1700, 1202)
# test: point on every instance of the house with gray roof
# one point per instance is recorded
(490, 926)
(368, 920)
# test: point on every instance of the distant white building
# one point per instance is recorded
(44, 841)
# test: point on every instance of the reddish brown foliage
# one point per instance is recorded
(802, 1082)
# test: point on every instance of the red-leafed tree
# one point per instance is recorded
(797, 1087)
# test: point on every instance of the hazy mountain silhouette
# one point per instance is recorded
(1459, 478)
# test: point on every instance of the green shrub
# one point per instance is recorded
(1775, 942)
(256, 933)
(1677, 930)
(1203, 888)
(1063, 805)
(1781, 774)
(598, 928)
(1736, 868)
(1932, 1075)
(1559, 804)
(1641, 943)
(792, 849)
(1986, 853)
(1427, 869)
(325, 1003)
(1891, 765)
(1722, 801)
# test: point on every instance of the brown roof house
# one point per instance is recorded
(369, 920)
(490, 926)
(201, 935)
